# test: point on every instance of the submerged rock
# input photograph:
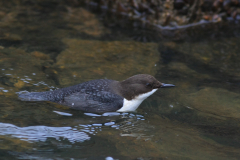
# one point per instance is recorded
(215, 101)
(88, 59)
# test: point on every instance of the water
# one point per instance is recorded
(45, 46)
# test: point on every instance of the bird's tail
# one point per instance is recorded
(31, 96)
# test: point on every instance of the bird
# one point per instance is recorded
(102, 95)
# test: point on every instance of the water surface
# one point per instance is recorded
(45, 48)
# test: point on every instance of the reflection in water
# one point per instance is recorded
(41, 133)
(128, 123)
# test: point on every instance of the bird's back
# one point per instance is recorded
(89, 87)
(92, 96)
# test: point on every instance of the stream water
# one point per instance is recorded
(48, 46)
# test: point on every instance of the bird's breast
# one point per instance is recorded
(132, 105)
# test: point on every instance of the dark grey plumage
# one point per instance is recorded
(95, 93)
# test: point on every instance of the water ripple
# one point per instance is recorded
(41, 133)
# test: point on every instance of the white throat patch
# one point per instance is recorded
(132, 105)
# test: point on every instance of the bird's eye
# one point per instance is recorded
(148, 84)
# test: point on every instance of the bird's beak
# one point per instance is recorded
(167, 85)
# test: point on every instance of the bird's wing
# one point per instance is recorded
(96, 102)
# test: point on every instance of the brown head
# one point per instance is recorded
(139, 84)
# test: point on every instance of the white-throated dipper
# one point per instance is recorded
(102, 95)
